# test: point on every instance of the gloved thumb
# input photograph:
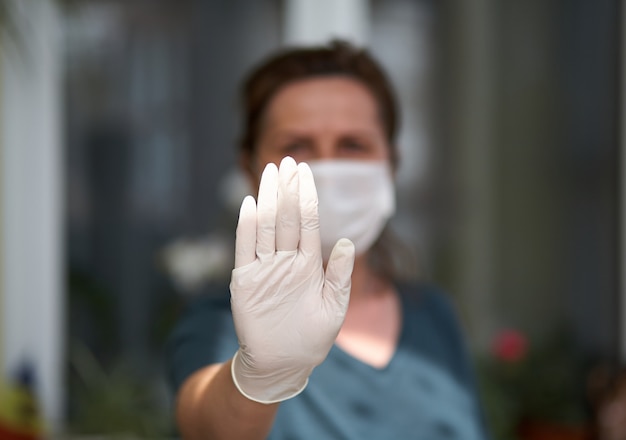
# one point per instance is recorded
(339, 272)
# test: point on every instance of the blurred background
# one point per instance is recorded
(119, 192)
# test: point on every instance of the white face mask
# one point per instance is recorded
(356, 199)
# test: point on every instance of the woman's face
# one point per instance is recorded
(321, 118)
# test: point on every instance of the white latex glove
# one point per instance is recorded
(287, 311)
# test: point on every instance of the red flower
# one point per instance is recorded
(510, 346)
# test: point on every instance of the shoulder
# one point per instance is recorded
(431, 300)
(204, 334)
(214, 299)
(204, 311)
(432, 322)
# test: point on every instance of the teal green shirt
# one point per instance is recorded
(427, 390)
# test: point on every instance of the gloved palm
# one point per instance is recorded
(287, 310)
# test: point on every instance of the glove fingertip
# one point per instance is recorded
(245, 242)
(247, 204)
(344, 251)
(340, 265)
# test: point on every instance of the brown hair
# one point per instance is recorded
(289, 65)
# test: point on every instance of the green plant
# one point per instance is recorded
(113, 402)
(522, 382)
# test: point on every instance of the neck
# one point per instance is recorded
(366, 282)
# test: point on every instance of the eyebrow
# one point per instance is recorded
(297, 133)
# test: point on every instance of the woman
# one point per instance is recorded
(320, 340)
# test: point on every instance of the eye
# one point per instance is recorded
(301, 149)
(354, 145)
(295, 146)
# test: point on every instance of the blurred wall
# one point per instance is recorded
(528, 136)
(31, 185)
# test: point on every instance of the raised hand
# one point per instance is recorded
(287, 309)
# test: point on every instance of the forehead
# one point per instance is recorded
(330, 96)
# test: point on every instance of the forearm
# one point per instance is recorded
(209, 406)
